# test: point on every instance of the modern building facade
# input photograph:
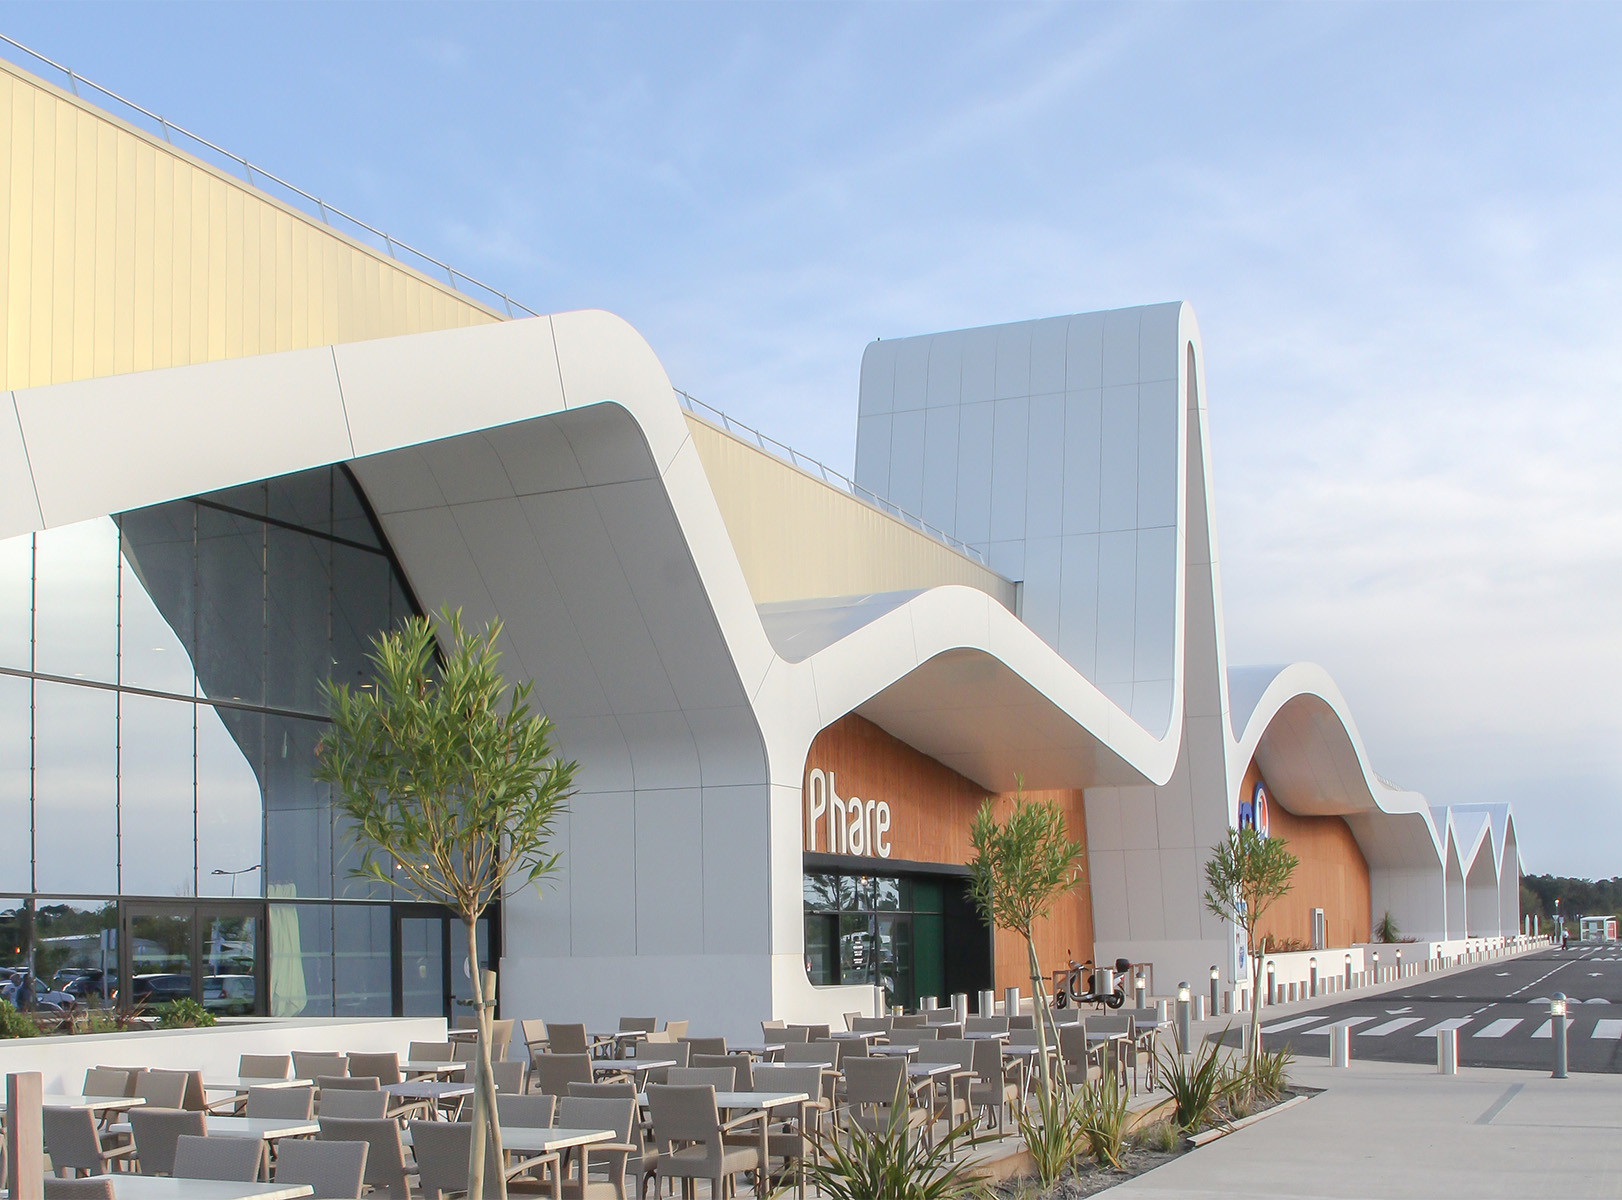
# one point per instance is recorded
(237, 445)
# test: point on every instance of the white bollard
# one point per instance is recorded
(1340, 1046)
(1447, 1051)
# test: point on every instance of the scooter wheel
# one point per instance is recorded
(1115, 1000)
(1062, 1000)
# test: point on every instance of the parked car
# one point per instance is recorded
(87, 988)
(159, 988)
(46, 998)
(232, 995)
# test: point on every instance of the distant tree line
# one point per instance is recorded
(1578, 897)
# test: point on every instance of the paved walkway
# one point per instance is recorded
(1399, 1130)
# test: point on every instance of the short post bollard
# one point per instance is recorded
(1447, 1051)
(1348, 972)
(1272, 988)
(1010, 1002)
(1312, 967)
(1557, 1032)
(1215, 974)
(1184, 1017)
(960, 1007)
(1376, 978)
(1399, 965)
(1340, 1046)
(1139, 987)
(987, 1002)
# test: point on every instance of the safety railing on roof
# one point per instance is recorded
(818, 470)
(257, 177)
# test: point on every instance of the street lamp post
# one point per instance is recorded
(234, 874)
(1184, 1005)
(1214, 975)
(1557, 1018)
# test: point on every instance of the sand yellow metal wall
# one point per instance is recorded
(797, 538)
(121, 254)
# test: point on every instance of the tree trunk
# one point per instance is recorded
(484, 1092)
(1039, 1000)
(1255, 1000)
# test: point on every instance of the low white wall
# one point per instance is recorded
(216, 1051)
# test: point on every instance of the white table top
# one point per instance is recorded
(975, 1037)
(612, 1066)
(265, 1129)
(157, 1187)
(856, 1035)
(755, 1048)
(750, 1099)
(929, 1070)
(1021, 1051)
(526, 1139)
(894, 1048)
(233, 1083)
(94, 1103)
(428, 1089)
(432, 1066)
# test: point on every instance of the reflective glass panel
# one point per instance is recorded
(300, 960)
(76, 948)
(158, 599)
(160, 956)
(298, 834)
(886, 892)
(298, 600)
(362, 961)
(15, 839)
(229, 948)
(230, 654)
(349, 518)
(230, 813)
(16, 600)
(75, 789)
(462, 970)
(855, 949)
(156, 798)
(347, 859)
(360, 611)
(303, 499)
(821, 892)
(76, 601)
(422, 967)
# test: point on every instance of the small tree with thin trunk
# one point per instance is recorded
(1245, 874)
(1021, 866)
(452, 788)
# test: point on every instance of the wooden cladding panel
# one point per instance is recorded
(931, 810)
(1333, 876)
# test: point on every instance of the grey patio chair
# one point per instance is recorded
(1083, 1061)
(555, 1072)
(310, 1065)
(281, 1103)
(1124, 1052)
(568, 1039)
(354, 1104)
(875, 1088)
(705, 1045)
(536, 1037)
(789, 1034)
(466, 1052)
(1022, 1021)
(815, 1033)
(722, 1079)
(346, 1083)
(385, 1157)
(820, 1053)
(616, 1089)
(529, 1112)
(161, 1089)
(638, 1024)
(429, 1052)
(908, 1021)
(234, 1159)
(74, 1143)
(676, 1029)
(107, 1081)
(786, 1138)
(743, 1074)
(948, 1031)
(99, 1187)
(336, 1170)
(690, 1135)
(510, 1076)
(264, 1066)
(996, 1084)
(155, 1132)
(645, 1162)
(849, 1017)
(985, 1025)
(602, 1167)
(951, 1092)
(872, 1025)
(441, 1149)
(384, 1067)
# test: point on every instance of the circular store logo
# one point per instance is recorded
(1253, 812)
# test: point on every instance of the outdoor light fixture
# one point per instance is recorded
(1557, 1006)
(234, 874)
(1214, 977)
(1185, 1016)
(1557, 1034)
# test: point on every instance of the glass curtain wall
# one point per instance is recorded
(160, 703)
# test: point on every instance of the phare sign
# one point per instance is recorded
(853, 826)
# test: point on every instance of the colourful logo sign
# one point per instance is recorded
(1253, 812)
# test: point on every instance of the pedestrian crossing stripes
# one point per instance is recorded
(1611, 1030)
(1348, 1022)
(1498, 1028)
(1281, 1026)
(1442, 1026)
(1389, 1027)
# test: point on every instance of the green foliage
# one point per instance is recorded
(447, 777)
(97, 1020)
(1578, 897)
(452, 789)
(893, 1164)
(184, 1013)
(14, 1024)
(1198, 1085)
(1103, 1120)
(1244, 876)
(1020, 868)
(1386, 930)
(1052, 1132)
(1159, 1138)
(1269, 1073)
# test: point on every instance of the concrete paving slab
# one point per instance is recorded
(1397, 1130)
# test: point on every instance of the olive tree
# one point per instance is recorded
(451, 786)
(1021, 866)
(1246, 873)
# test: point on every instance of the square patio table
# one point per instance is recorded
(159, 1187)
(426, 1089)
(103, 1104)
(763, 1103)
(891, 1049)
(431, 1068)
(533, 1146)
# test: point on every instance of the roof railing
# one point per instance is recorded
(818, 470)
(274, 185)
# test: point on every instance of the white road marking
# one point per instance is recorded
(1283, 1025)
(1450, 1023)
(1498, 1028)
(1607, 1030)
(1389, 1027)
(1394, 1011)
(1348, 1022)
(1542, 1031)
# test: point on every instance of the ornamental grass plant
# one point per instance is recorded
(893, 1163)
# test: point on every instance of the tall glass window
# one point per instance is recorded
(160, 703)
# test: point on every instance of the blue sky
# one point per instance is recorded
(1400, 226)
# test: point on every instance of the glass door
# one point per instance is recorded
(432, 974)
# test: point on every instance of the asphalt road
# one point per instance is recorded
(1501, 1011)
